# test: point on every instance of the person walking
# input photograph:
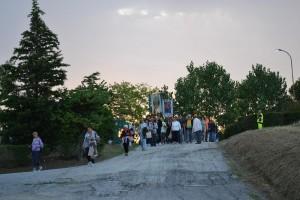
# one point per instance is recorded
(159, 126)
(90, 145)
(175, 128)
(197, 129)
(36, 148)
(163, 132)
(143, 134)
(189, 126)
(125, 136)
(212, 131)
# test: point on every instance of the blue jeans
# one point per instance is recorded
(143, 143)
(212, 136)
(198, 136)
(190, 135)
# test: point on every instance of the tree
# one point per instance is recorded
(130, 102)
(295, 87)
(261, 90)
(88, 105)
(206, 90)
(31, 84)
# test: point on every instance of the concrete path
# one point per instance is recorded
(170, 172)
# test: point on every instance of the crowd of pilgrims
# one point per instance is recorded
(156, 130)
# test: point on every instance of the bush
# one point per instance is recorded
(16, 155)
(270, 119)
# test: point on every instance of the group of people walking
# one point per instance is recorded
(154, 130)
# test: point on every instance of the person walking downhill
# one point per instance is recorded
(90, 145)
(163, 132)
(159, 126)
(212, 131)
(189, 126)
(143, 134)
(204, 129)
(176, 127)
(125, 136)
(197, 129)
(36, 147)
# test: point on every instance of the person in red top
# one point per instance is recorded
(125, 136)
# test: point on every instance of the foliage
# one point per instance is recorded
(85, 106)
(130, 102)
(207, 90)
(270, 119)
(261, 90)
(295, 87)
(30, 84)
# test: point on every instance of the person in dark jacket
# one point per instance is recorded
(212, 131)
(125, 136)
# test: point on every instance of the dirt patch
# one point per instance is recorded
(272, 154)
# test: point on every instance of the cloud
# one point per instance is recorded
(180, 14)
(126, 11)
(144, 12)
(163, 13)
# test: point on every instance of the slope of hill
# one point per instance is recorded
(272, 153)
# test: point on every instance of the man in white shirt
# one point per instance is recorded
(197, 129)
(175, 128)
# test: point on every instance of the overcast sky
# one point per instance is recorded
(152, 41)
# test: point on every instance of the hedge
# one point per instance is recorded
(270, 119)
(16, 155)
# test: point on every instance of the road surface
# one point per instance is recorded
(171, 172)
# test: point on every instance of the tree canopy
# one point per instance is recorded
(207, 90)
(31, 82)
(261, 90)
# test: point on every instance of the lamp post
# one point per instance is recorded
(291, 67)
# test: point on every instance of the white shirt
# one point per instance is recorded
(197, 125)
(176, 126)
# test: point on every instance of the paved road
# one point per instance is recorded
(166, 172)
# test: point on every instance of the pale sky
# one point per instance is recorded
(152, 41)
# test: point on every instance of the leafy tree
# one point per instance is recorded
(130, 102)
(207, 90)
(30, 85)
(295, 88)
(164, 92)
(85, 106)
(261, 90)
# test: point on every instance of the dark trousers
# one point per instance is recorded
(89, 158)
(154, 139)
(175, 136)
(36, 155)
(126, 146)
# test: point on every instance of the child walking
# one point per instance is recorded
(36, 148)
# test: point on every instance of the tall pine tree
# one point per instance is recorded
(31, 82)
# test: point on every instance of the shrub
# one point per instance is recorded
(270, 119)
(17, 155)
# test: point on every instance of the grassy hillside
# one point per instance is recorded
(272, 153)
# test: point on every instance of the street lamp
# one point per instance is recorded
(291, 67)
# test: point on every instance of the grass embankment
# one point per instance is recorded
(108, 151)
(272, 154)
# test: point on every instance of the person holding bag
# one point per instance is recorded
(90, 145)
